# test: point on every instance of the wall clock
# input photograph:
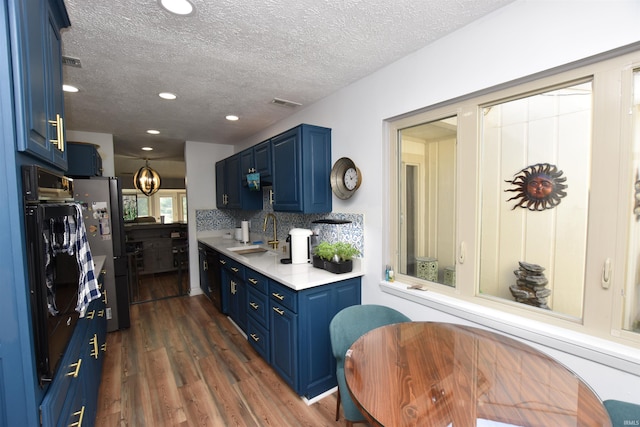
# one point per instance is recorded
(345, 178)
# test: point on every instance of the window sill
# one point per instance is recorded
(598, 350)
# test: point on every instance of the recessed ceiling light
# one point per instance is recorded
(69, 88)
(232, 118)
(147, 149)
(179, 7)
(153, 131)
(167, 95)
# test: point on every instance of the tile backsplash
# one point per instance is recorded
(228, 219)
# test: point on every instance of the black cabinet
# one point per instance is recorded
(210, 280)
(38, 80)
(84, 160)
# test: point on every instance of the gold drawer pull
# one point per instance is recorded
(101, 313)
(75, 373)
(103, 347)
(80, 415)
(235, 270)
(223, 262)
(91, 314)
(255, 337)
(277, 295)
(253, 281)
(254, 305)
(94, 342)
(277, 310)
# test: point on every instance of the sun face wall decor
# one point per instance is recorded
(538, 187)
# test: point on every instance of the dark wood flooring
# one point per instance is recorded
(182, 363)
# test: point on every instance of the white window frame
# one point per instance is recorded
(599, 336)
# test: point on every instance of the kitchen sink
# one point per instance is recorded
(247, 249)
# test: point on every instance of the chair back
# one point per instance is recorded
(354, 321)
(345, 328)
(623, 413)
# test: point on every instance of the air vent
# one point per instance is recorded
(72, 62)
(285, 103)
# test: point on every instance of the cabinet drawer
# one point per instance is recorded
(234, 267)
(257, 281)
(258, 306)
(258, 337)
(284, 296)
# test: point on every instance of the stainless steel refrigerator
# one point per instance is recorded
(101, 201)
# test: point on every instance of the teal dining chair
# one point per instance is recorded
(345, 328)
(623, 413)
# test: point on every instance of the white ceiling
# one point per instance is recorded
(231, 57)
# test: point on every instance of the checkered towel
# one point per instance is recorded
(87, 282)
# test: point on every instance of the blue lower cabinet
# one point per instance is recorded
(72, 396)
(299, 329)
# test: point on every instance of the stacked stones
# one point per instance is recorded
(531, 286)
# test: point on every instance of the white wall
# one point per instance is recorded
(105, 149)
(200, 178)
(524, 38)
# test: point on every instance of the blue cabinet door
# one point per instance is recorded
(38, 79)
(233, 183)
(287, 172)
(284, 351)
(55, 105)
(301, 170)
(317, 306)
(262, 161)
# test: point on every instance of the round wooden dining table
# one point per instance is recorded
(441, 374)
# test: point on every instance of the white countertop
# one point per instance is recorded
(294, 276)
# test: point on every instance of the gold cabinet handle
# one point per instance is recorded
(277, 295)
(59, 124)
(76, 371)
(223, 262)
(80, 415)
(61, 131)
(234, 269)
(253, 281)
(101, 313)
(254, 305)
(91, 314)
(94, 342)
(255, 337)
(105, 299)
(277, 310)
(271, 194)
(103, 347)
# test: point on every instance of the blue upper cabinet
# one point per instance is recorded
(37, 71)
(230, 191)
(301, 170)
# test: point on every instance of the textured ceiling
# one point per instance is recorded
(232, 57)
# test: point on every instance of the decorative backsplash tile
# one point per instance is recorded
(353, 232)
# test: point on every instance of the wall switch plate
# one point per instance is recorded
(108, 313)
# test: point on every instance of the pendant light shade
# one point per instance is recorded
(146, 180)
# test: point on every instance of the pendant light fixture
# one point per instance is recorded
(146, 180)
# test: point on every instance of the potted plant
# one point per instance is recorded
(335, 257)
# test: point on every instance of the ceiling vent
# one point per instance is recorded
(72, 62)
(285, 103)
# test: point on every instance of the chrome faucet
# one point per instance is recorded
(274, 242)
